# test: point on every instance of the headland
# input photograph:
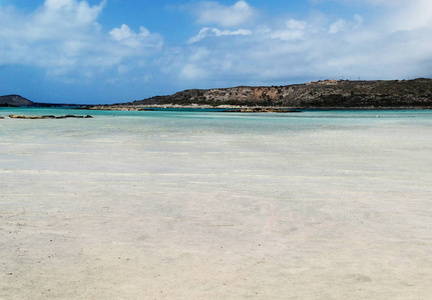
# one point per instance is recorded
(326, 94)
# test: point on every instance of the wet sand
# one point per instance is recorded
(320, 214)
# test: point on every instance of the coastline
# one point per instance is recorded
(327, 94)
(120, 107)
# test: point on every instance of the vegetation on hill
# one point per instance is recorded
(320, 94)
(416, 93)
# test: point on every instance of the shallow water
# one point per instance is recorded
(320, 204)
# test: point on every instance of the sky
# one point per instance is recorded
(111, 51)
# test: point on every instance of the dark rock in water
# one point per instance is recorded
(66, 116)
(74, 116)
(48, 117)
(28, 117)
(16, 116)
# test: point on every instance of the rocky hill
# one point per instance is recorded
(319, 94)
(14, 100)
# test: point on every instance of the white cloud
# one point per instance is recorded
(296, 24)
(143, 39)
(214, 32)
(293, 30)
(343, 25)
(404, 14)
(325, 47)
(337, 26)
(73, 13)
(226, 16)
(63, 37)
(414, 14)
(192, 72)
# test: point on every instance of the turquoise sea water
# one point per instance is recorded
(214, 120)
(191, 126)
(203, 142)
(196, 132)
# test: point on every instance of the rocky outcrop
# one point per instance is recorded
(319, 94)
(48, 117)
(14, 100)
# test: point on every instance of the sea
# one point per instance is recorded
(320, 204)
(203, 142)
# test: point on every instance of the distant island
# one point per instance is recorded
(327, 94)
(14, 101)
(19, 101)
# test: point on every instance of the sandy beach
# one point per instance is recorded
(98, 209)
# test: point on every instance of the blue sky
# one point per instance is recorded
(72, 51)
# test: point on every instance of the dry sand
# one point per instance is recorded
(325, 214)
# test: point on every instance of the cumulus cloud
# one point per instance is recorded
(214, 32)
(236, 45)
(337, 26)
(296, 24)
(143, 39)
(72, 13)
(410, 15)
(226, 16)
(63, 36)
(294, 29)
(395, 45)
(403, 14)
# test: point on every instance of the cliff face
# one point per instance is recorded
(328, 93)
(14, 100)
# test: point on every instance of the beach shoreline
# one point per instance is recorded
(201, 205)
(122, 107)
